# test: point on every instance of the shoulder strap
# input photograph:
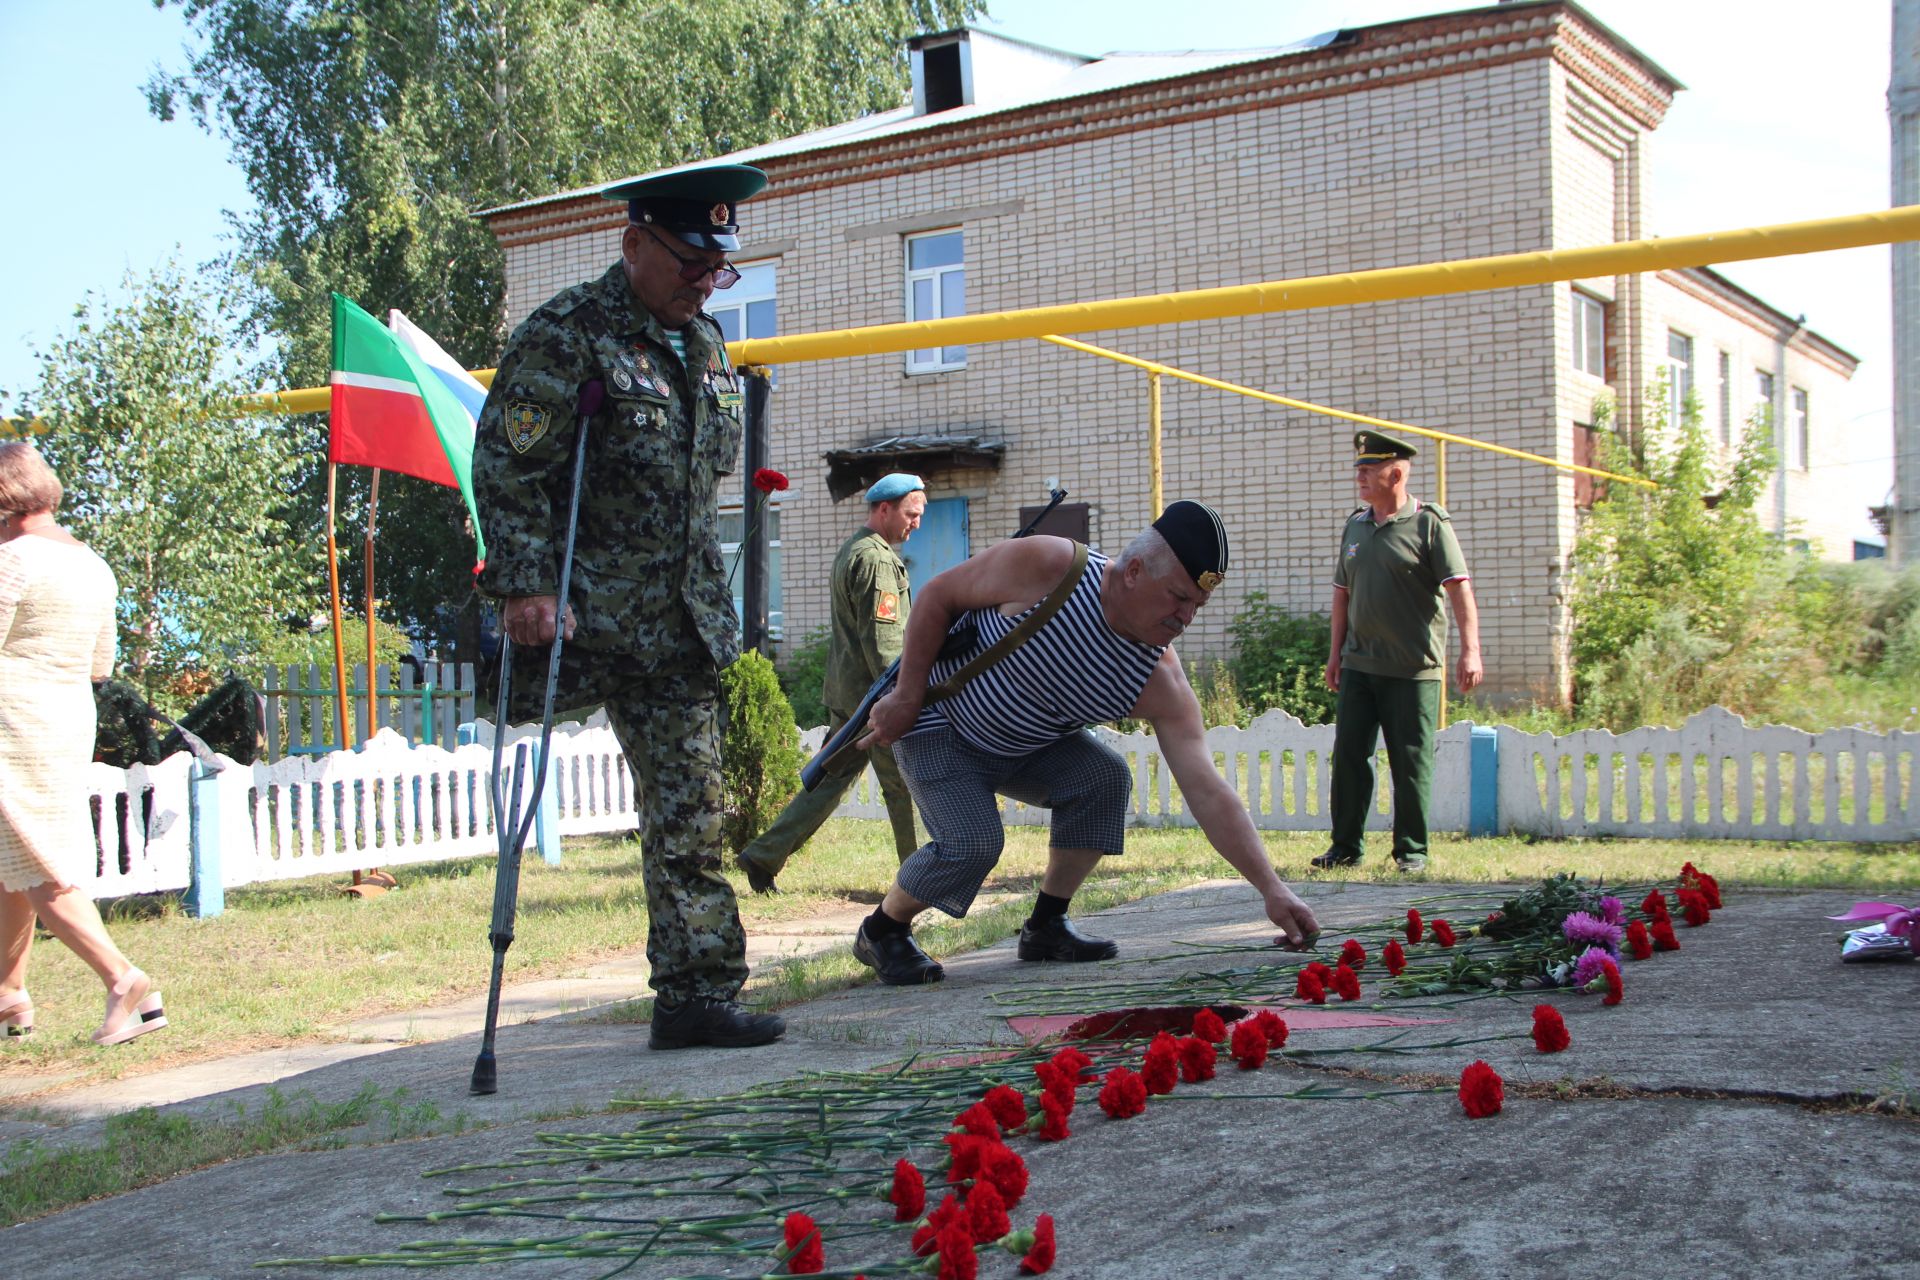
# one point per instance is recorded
(1019, 635)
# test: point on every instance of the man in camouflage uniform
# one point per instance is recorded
(870, 608)
(649, 620)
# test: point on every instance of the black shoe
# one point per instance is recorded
(1333, 858)
(759, 879)
(897, 958)
(1058, 939)
(720, 1023)
(1411, 863)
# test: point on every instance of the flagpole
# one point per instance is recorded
(373, 505)
(333, 583)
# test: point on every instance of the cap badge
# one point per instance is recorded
(1210, 579)
(718, 215)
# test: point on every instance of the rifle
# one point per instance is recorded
(835, 754)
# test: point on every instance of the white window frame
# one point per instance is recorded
(1679, 377)
(1589, 356)
(1726, 397)
(750, 289)
(776, 567)
(933, 359)
(1800, 429)
(1766, 389)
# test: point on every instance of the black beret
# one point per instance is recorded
(1199, 541)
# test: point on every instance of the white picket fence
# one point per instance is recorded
(390, 804)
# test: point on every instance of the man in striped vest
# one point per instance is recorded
(1019, 728)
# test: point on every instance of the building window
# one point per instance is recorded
(732, 533)
(1763, 397)
(1726, 398)
(936, 289)
(1800, 433)
(746, 310)
(1589, 334)
(1679, 376)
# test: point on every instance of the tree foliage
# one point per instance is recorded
(182, 497)
(760, 757)
(1279, 660)
(372, 130)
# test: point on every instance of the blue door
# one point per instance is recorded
(939, 543)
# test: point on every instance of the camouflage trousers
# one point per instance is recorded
(668, 723)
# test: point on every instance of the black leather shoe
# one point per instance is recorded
(759, 879)
(1058, 939)
(1331, 859)
(705, 1021)
(897, 958)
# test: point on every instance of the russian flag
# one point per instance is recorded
(400, 403)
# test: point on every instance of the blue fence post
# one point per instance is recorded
(206, 891)
(1483, 782)
(546, 821)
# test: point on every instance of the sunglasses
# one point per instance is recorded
(692, 270)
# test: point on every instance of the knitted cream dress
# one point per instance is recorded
(56, 636)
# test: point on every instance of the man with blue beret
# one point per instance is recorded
(649, 619)
(1398, 556)
(871, 602)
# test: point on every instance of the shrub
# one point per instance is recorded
(1280, 660)
(805, 676)
(760, 756)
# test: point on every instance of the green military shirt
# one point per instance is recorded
(647, 553)
(870, 607)
(1393, 573)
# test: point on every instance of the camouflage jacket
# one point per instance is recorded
(870, 607)
(658, 445)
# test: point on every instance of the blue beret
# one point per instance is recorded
(895, 487)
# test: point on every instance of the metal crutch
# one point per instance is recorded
(509, 826)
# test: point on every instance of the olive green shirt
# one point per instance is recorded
(1393, 573)
(870, 607)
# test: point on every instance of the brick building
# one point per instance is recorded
(1023, 177)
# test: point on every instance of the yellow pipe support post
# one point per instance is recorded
(1442, 436)
(1154, 506)
(1440, 496)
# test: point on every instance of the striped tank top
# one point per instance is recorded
(1073, 672)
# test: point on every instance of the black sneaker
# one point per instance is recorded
(1333, 858)
(896, 957)
(706, 1021)
(1058, 939)
(1411, 864)
(759, 879)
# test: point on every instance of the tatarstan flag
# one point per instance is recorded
(402, 404)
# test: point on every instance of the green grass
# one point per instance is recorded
(293, 962)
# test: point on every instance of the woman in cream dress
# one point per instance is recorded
(56, 636)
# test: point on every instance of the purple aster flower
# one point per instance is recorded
(1584, 930)
(1588, 967)
(1613, 911)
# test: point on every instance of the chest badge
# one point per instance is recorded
(526, 422)
(622, 379)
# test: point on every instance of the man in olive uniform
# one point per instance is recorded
(870, 608)
(633, 360)
(1397, 555)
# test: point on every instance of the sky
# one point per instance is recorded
(1783, 118)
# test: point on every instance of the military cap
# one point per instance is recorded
(696, 203)
(1378, 446)
(1199, 541)
(895, 487)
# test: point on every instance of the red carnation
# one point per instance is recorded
(1693, 904)
(1414, 932)
(1008, 1105)
(1249, 1046)
(1054, 1112)
(1637, 940)
(1039, 1257)
(805, 1254)
(979, 1120)
(1346, 982)
(1394, 956)
(1352, 954)
(927, 1238)
(1616, 989)
(1208, 1026)
(1160, 1070)
(1321, 972)
(1077, 1065)
(767, 480)
(1549, 1029)
(1272, 1026)
(987, 1213)
(1197, 1059)
(1007, 1171)
(1055, 1082)
(1654, 905)
(1709, 889)
(957, 1260)
(909, 1193)
(1310, 988)
(1663, 939)
(1480, 1091)
(969, 1152)
(1123, 1095)
(1443, 933)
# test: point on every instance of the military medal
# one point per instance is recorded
(622, 380)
